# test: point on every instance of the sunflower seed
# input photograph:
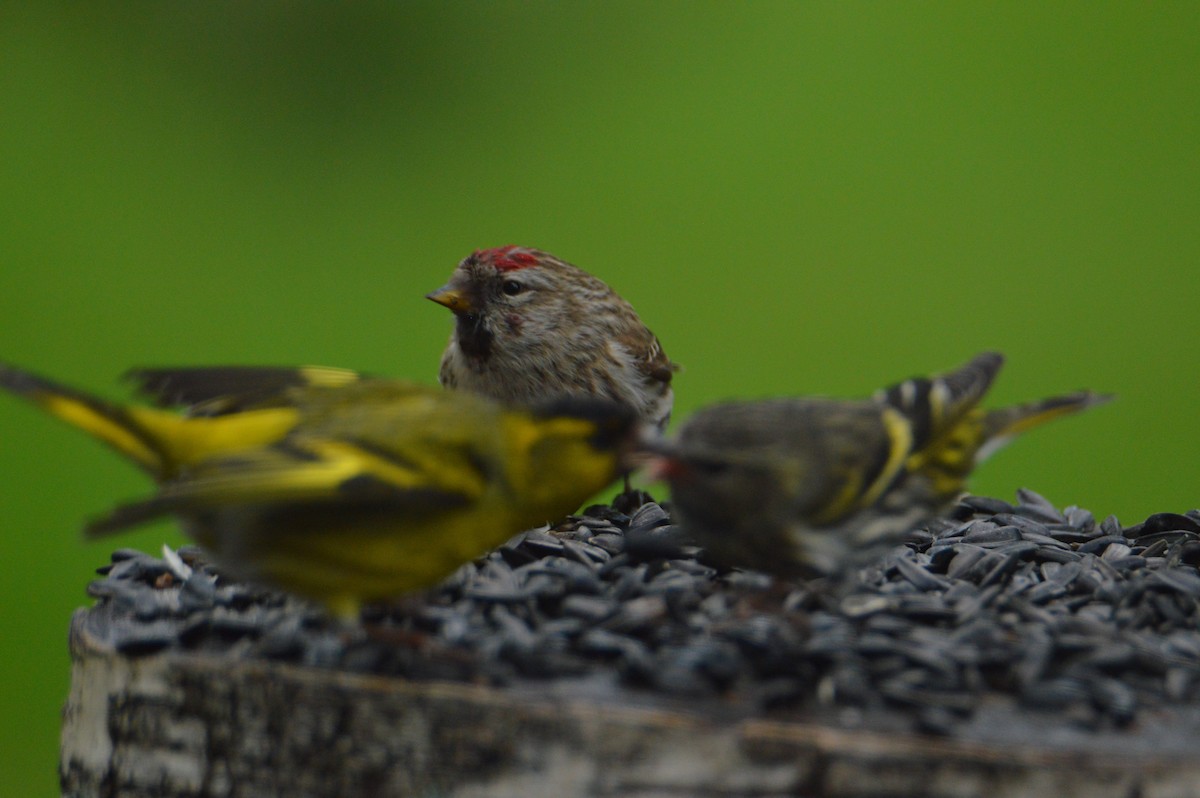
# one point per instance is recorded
(146, 638)
(199, 592)
(1090, 620)
(965, 557)
(993, 536)
(590, 608)
(1185, 581)
(1037, 506)
(919, 577)
(986, 505)
(649, 515)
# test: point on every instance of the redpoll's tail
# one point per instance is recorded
(129, 430)
(1002, 425)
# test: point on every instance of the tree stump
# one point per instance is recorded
(179, 725)
(1007, 651)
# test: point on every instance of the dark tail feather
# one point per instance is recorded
(967, 385)
(103, 420)
(30, 386)
(1006, 423)
(935, 404)
(126, 516)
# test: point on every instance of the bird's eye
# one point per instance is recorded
(512, 287)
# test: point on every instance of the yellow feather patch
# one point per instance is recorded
(447, 470)
(328, 377)
(900, 431)
(841, 504)
(947, 461)
(853, 494)
(355, 461)
(187, 441)
(264, 480)
(1028, 422)
(575, 434)
(102, 427)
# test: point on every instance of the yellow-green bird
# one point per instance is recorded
(338, 487)
(802, 487)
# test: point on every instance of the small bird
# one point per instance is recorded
(530, 327)
(338, 487)
(806, 487)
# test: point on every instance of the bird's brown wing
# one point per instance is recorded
(651, 362)
(654, 362)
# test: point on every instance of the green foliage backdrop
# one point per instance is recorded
(799, 198)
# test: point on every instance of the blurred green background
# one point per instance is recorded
(798, 198)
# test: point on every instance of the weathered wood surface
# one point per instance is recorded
(202, 725)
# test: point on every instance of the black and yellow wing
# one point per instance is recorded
(217, 390)
(387, 444)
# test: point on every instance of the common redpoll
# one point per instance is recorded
(341, 488)
(530, 326)
(811, 486)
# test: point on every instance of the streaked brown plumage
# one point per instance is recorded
(529, 326)
(810, 486)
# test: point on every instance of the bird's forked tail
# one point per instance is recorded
(1003, 424)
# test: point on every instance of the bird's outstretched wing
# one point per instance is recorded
(413, 476)
(218, 390)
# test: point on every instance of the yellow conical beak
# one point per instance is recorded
(451, 298)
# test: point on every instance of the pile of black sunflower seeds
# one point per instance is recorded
(1047, 610)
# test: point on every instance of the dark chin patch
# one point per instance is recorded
(474, 339)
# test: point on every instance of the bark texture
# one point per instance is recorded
(206, 725)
